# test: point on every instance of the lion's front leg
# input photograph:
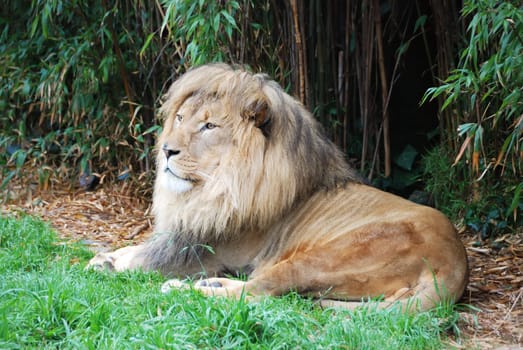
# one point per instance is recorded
(122, 259)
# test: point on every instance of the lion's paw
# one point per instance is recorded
(101, 262)
(173, 284)
(220, 287)
(209, 283)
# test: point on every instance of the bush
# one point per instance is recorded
(81, 81)
(482, 206)
(486, 91)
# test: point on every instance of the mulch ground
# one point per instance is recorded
(113, 216)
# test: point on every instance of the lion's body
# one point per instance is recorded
(244, 169)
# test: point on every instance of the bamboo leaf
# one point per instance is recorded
(402, 48)
(170, 14)
(20, 157)
(147, 43)
(467, 128)
(216, 23)
(420, 22)
(516, 200)
(508, 144)
(154, 128)
(464, 146)
(10, 175)
(229, 18)
(478, 137)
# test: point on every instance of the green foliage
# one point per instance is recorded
(80, 81)
(440, 180)
(204, 28)
(486, 91)
(47, 301)
(487, 86)
(65, 72)
(405, 175)
(489, 208)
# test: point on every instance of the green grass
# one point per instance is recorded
(47, 300)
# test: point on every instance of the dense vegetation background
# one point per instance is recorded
(420, 95)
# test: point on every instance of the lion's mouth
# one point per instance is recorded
(168, 170)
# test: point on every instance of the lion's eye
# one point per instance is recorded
(179, 117)
(209, 126)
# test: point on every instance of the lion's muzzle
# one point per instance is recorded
(169, 152)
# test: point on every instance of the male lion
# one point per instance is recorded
(248, 184)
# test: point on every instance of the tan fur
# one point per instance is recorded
(245, 170)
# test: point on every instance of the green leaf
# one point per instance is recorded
(169, 17)
(451, 98)
(467, 128)
(229, 18)
(147, 43)
(7, 178)
(406, 158)
(478, 138)
(154, 128)
(216, 23)
(420, 22)
(228, 30)
(402, 48)
(21, 156)
(516, 199)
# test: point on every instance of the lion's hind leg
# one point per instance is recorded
(411, 304)
(426, 295)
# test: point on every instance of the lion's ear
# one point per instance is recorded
(258, 112)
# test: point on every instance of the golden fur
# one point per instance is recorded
(244, 169)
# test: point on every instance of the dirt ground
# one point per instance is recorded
(114, 216)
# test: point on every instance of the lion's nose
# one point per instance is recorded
(169, 152)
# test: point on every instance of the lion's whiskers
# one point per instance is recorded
(204, 174)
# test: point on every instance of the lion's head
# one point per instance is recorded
(236, 152)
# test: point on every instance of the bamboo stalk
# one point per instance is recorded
(301, 12)
(320, 54)
(346, 102)
(445, 28)
(384, 88)
(365, 56)
(299, 49)
(341, 76)
(246, 21)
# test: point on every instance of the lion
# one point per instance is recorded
(248, 184)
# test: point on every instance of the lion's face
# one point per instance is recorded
(193, 141)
